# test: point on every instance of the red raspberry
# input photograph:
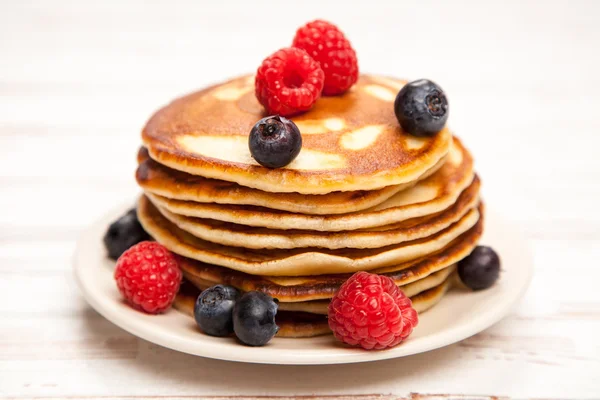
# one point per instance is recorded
(324, 42)
(372, 312)
(148, 276)
(289, 81)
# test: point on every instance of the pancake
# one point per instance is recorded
(428, 196)
(429, 298)
(294, 324)
(422, 300)
(319, 287)
(350, 142)
(230, 234)
(445, 277)
(320, 306)
(295, 262)
(202, 192)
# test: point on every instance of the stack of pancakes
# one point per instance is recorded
(363, 195)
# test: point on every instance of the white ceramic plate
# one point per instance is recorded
(460, 314)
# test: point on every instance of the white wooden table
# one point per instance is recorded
(78, 79)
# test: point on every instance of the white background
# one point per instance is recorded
(78, 79)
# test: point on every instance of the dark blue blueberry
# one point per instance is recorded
(124, 233)
(275, 141)
(214, 308)
(254, 318)
(480, 269)
(421, 108)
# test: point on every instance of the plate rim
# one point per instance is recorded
(346, 355)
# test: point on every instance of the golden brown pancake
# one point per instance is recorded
(214, 194)
(320, 306)
(295, 262)
(421, 301)
(318, 287)
(350, 142)
(230, 234)
(428, 196)
(294, 324)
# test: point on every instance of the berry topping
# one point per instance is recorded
(254, 318)
(124, 233)
(421, 108)
(480, 269)
(370, 311)
(214, 310)
(288, 82)
(325, 43)
(275, 141)
(148, 276)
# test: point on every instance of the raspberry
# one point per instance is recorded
(324, 42)
(288, 82)
(372, 312)
(148, 276)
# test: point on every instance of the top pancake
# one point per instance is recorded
(351, 142)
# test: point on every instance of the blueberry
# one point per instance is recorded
(480, 269)
(275, 141)
(124, 233)
(254, 318)
(421, 108)
(214, 308)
